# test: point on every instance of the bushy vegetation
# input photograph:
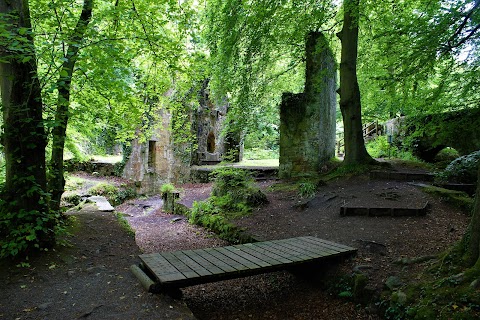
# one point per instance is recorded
(462, 170)
(234, 194)
(445, 291)
(167, 187)
(380, 148)
(22, 233)
(115, 195)
(307, 189)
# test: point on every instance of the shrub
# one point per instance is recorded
(380, 148)
(462, 170)
(114, 194)
(307, 189)
(167, 188)
(233, 195)
(236, 185)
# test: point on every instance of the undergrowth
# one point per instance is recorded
(115, 195)
(446, 290)
(234, 195)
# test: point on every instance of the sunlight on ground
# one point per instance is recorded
(259, 163)
(108, 159)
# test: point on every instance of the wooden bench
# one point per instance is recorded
(160, 272)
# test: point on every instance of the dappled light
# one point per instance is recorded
(146, 144)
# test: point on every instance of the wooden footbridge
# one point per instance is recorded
(160, 272)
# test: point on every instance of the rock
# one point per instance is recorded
(458, 277)
(475, 284)
(362, 268)
(44, 306)
(175, 220)
(102, 203)
(393, 282)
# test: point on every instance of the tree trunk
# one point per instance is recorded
(24, 137)
(355, 151)
(57, 180)
(473, 253)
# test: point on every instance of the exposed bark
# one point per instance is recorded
(24, 137)
(473, 253)
(57, 181)
(350, 106)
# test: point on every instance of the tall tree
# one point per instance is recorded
(24, 213)
(64, 82)
(350, 103)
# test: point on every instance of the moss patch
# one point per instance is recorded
(457, 198)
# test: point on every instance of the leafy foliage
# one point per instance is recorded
(307, 189)
(167, 187)
(233, 195)
(380, 148)
(23, 232)
(114, 194)
(462, 170)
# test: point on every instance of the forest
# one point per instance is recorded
(85, 78)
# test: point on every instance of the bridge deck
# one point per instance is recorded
(189, 267)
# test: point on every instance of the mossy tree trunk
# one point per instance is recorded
(57, 181)
(473, 234)
(350, 106)
(24, 137)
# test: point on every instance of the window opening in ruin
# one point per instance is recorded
(211, 142)
(151, 153)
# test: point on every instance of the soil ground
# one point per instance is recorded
(91, 279)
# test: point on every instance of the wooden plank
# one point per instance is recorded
(329, 244)
(220, 255)
(238, 251)
(239, 257)
(307, 254)
(318, 250)
(189, 267)
(220, 262)
(161, 268)
(277, 250)
(340, 247)
(288, 252)
(266, 253)
(324, 246)
(193, 254)
(182, 267)
(192, 264)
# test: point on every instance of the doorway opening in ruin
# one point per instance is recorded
(151, 153)
(211, 142)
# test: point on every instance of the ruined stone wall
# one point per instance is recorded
(151, 162)
(161, 159)
(307, 120)
(208, 122)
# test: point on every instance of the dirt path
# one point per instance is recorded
(91, 279)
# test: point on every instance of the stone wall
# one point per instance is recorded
(162, 160)
(152, 163)
(208, 121)
(307, 120)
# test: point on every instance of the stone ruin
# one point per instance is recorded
(161, 160)
(307, 120)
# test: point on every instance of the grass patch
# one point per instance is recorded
(124, 224)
